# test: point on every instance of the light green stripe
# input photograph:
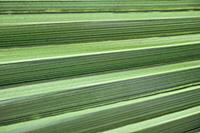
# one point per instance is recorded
(46, 122)
(71, 84)
(60, 18)
(13, 55)
(156, 121)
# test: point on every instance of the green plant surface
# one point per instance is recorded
(26, 19)
(115, 115)
(68, 33)
(35, 6)
(176, 122)
(90, 66)
(38, 70)
(95, 80)
(58, 97)
(15, 55)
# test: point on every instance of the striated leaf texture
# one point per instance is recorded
(112, 66)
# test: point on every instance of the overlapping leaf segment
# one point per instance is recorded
(99, 66)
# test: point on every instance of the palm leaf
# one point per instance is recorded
(100, 72)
